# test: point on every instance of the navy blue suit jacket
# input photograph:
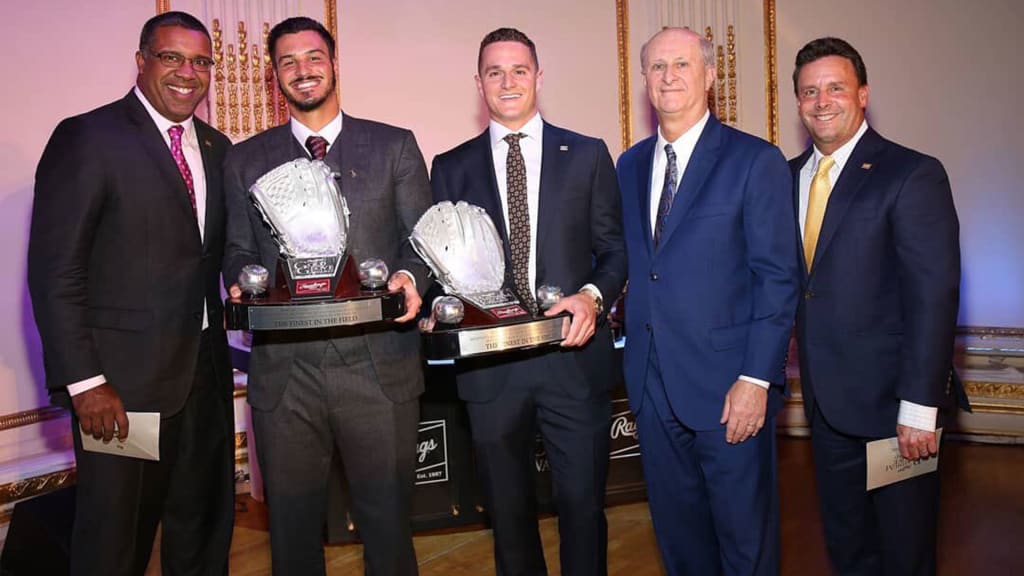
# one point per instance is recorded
(877, 317)
(718, 294)
(579, 241)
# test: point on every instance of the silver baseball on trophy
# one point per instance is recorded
(373, 273)
(253, 280)
(548, 296)
(463, 250)
(316, 284)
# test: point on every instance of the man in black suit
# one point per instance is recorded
(564, 226)
(354, 388)
(124, 263)
(875, 326)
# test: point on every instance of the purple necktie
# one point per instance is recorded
(317, 146)
(179, 159)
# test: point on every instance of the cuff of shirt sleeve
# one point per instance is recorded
(86, 385)
(592, 288)
(409, 274)
(917, 416)
(762, 383)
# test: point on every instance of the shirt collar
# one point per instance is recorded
(534, 128)
(330, 132)
(687, 140)
(841, 155)
(162, 123)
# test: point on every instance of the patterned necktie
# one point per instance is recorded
(317, 146)
(179, 159)
(668, 193)
(519, 222)
(817, 200)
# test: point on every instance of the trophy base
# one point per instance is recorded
(506, 336)
(349, 305)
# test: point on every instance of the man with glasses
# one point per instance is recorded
(124, 258)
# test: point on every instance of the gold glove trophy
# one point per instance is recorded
(318, 285)
(479, 315)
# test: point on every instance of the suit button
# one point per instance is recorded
(647, 327)
(809, 294)
(654, 277)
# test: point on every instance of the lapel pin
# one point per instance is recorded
(563, 148)
(207, 143)
(352, 173)
(865, 166)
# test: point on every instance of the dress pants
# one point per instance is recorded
(576, 440)
(889, 531)
(120, 501)
(714, 505)
(333, 400)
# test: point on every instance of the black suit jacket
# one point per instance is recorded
(384, 180)
(579, 241)
(117, 271)
(877, 317)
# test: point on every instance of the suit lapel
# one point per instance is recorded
(846, 188)
(554, 157)
(645, 163)
(152, 142)
(795, 166)
(703, 159)
(214, 201)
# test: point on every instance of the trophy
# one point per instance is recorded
(318, 285)
(479, 315)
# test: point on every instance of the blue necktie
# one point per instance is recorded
(668, 193)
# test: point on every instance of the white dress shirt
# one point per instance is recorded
(683, 147)
(194, 158)
(910, 414)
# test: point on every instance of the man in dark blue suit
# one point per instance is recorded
(566, 221)
(713, 282)
(875, 326)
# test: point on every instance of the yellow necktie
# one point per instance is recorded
(817, 200)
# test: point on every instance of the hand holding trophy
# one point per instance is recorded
(317, 283)
(479, 316)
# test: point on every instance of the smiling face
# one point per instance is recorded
(508, 81)
(305, 72)
(830, 101)
(174, 92)
(676, 77)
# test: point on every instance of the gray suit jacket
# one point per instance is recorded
(384, 180)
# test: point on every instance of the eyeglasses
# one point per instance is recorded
(175, 60)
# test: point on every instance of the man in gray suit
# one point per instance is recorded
(351, 388)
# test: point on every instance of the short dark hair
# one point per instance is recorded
(179, 19)
(822, 47)
(507, 35)
(295, 25)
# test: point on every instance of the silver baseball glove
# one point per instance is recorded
(461, 246)
(304, 208)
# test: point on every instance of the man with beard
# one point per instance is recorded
(352, 388)
(123, 267)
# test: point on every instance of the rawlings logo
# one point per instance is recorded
(623, 426)
(313, 286)
(508, 312)
(424, 448)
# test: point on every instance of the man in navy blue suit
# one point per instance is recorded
(713, 282)
(564, 225)
(875, 326)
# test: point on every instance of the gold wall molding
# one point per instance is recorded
(36, 486)
(163, 6)
(30, 417)
(625, 86)
(771, 72)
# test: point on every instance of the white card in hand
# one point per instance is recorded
(143, 438)
(886, 466)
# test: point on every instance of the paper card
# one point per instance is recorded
(886, 466)
(143, 438)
